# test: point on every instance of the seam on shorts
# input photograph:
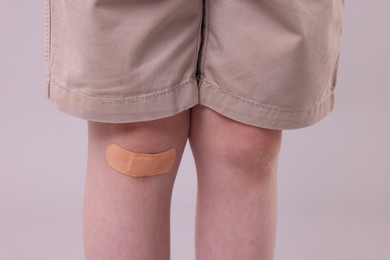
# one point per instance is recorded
(270, 107)
(207, 11)
(130, 99)
(197, 49)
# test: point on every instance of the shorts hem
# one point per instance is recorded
(262, 115)
(144, 107)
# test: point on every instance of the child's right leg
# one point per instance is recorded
(127, 217)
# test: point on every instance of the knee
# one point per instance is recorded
(254, 153)
(139, 149)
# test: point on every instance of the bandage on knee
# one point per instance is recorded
(139, 164)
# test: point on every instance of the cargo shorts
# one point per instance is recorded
(265, 63)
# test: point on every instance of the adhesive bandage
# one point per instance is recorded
(139, 164)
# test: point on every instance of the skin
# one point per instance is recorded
(128, 218)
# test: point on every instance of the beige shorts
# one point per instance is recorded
(266, 63)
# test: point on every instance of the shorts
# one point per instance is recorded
(265, 63)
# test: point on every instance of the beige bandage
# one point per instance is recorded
(139, 164)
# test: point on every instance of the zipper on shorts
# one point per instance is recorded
(202, 41)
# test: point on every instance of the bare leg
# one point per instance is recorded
(126, 217)
(237, 187)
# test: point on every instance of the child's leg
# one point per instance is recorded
(237, 184)
(127, 217)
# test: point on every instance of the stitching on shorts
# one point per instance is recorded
(48, 29)
(270, 107)
(130, 99)
(48, 43)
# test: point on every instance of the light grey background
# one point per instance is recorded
(334, 177)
